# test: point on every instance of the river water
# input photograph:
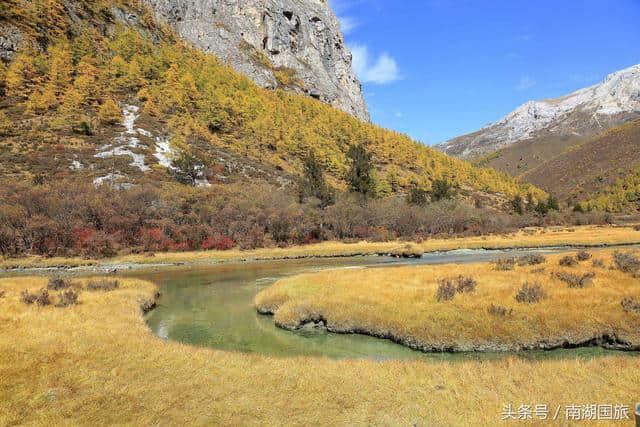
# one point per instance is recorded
(211, 306)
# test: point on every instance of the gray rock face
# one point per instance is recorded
(10, 40)
(260, 37)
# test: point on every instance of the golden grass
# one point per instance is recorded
(44, 262)
(530, 237)
(98, 364)
(400, 302)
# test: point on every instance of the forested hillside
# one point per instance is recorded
(97, 84)
(82, 64)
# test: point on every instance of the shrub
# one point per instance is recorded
(598, 263)
(636, 228)
(583, 256)
(575, 280)
(568, 261)
(57, 283)
(2, 293)
(505, 264)
(442, 189)
(466, 285)
(531, 259)
(67, 298)
(500, 311)
(446, 291)
(530, 293)
(220, 243)
(103, 285)
(41, 297)
(626, 262)
(631, 304)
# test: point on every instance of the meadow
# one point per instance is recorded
(514, 304)
(98, 363)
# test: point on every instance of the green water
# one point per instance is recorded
(212, 307)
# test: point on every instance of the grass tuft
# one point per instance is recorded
(68, 298)
(583, 256)
(446, 290)
(104, 285)
(631, 304)
(568, 261)
(499, 311)
(504, 264)
(530, 293)
(626, 262)
(575, 280)
(41, 297)
(466, 285)
(57, 283)
(531, 259)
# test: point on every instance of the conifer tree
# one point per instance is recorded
(21, 75)
(109, 112)
(360, 175)
(60, 69)
(313, 183)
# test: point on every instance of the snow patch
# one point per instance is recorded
(144, 132)
(76, 165)
(163, 152)
(126, 141)
(110, 178)
(130, 113)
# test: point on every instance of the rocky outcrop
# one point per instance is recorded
(277, 43)
(584, 112)
(10, 40)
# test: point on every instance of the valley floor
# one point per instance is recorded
(530, 237)
(97, 363)
(472, 307)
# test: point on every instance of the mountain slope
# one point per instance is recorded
(585, 112)
(277, 43)
(64, 88)
(580, 172)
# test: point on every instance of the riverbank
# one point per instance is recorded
(98, 363)
(472, 307)
(582, 236)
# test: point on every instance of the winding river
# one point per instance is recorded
(212, 306)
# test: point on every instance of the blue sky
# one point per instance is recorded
(435, 69)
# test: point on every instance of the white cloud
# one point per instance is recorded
(380, 71)
(348, 24)
(399, 115)
(525, 83)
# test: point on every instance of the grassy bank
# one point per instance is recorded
(531, 237)
(98, 363)
(430, 308)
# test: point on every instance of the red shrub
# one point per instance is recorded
(217, 242)
(180, 246)
(82, 236)
(154, 239)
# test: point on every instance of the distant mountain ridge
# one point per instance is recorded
(585, 112)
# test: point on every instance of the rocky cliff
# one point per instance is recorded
(277, 43)
(582, 113)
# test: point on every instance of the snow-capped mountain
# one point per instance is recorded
(583, 112)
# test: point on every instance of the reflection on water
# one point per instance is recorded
(212, 306)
